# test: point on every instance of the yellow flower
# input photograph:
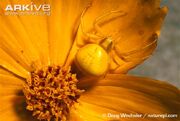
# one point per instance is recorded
(36, 52)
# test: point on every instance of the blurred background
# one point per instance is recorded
(165, 63)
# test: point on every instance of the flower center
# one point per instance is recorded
(51, 92)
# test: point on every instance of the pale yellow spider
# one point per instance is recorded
(93, 58)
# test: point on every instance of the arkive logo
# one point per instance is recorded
(28, 9)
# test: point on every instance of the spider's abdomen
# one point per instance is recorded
(92, 59)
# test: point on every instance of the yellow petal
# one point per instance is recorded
(90, 112)
(15, 41)
(10, 85)
(9, 88)
(13, 108)
(37, 31)
(8, 63)
(132, 25)
(62, 25)
(4, 72)
(12, 101)
(117, 94)
(7, 111)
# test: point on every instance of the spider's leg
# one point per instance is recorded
(90, 37)
(127, 55)
(118, 59)
(97, 20)
(107, 41)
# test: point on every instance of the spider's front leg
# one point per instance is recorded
(99, 20)
(90, 38)
(106, 42)
(129, 56)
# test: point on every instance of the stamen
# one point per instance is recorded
(51, 92)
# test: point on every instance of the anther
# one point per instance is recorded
(51, 92)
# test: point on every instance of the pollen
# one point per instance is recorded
(51, 92)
